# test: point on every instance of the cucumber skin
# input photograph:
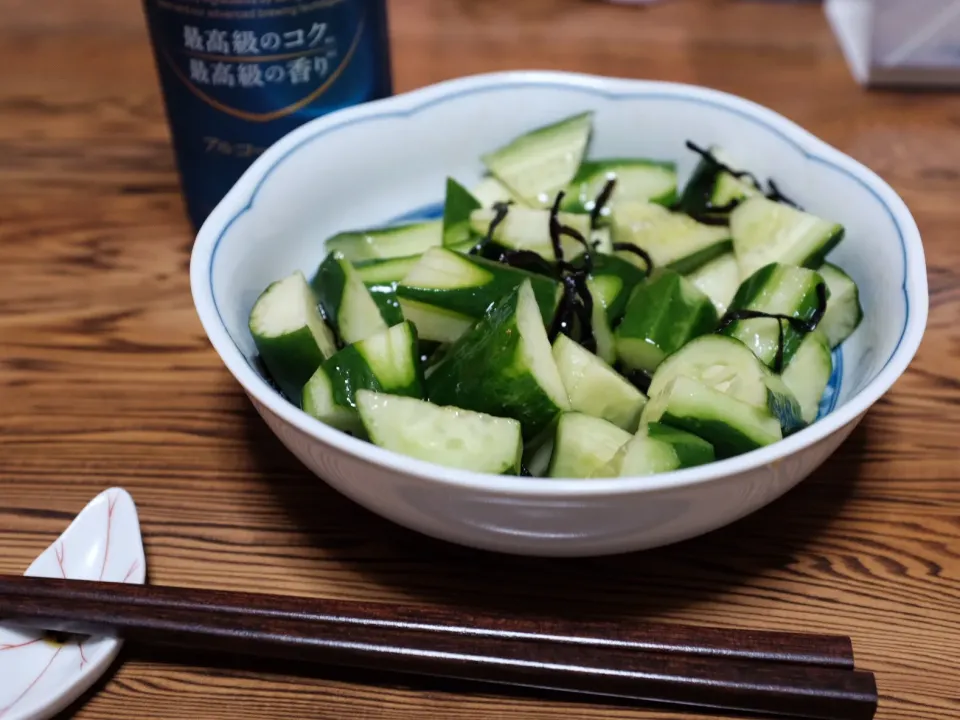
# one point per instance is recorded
(457, 206)
(475, 301)
(690, 263)
(750, 289)
(329, 285)
(674, 326)
(349, 372)
(289, 358)
(479, 372)
(727, 442)
(690, 449)
(385, 296)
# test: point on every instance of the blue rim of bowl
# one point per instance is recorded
(577, 82)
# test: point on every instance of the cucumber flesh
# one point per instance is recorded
(727, 365)
(529, 229)
(844, 311)
(718, 280)
(346, 301)
(776, 289)
(733, 427)
(636, 180)
(503, 366)
(537, 164)
(457, 206)
(389, 242)
(491, 191)
(664, 313)
(290, 334)
(672, 240)
(584, 444)
(603, 335)
(436, 324)
(448, 436)
(595, 388)
(809, 372)
(658, 448)
(387, 362)
(381, 277)
(765, 232)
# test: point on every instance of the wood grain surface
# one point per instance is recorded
(106, 377)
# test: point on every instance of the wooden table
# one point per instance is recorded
(106, 377)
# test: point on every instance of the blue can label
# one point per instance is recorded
(238, 74)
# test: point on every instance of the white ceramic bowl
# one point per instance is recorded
(376, 162)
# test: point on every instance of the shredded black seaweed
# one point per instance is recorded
(500, 213)
(601, 202)
(723, 167)
(798, 324)
(773, 191)
(774, 194)
(636, 250)
(527, 260)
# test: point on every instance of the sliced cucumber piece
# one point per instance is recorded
(584, 444)
(730, 425)
(457, 206)
(469, 285)
(535, 165)
(448, 436)
(435, 324)
(844, 311)
(614, 279)
(710, 187)
(765, 231)
(529, 229)
(776, 289)
(503, 366)
(673, 240)
(381, 277)
(725, 364)
(388, 362)
(385, 271)
(490, 191)
(665, 312)
(290, 333)
(389, 242)
(600, 322)
(643, 180)
(718, 280)
(346, 301)
(809, 372)
(595, 388)
(658, 448)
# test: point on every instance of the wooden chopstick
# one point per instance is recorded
(676, 671)
(763, 645)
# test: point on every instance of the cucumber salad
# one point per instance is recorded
(570, 317)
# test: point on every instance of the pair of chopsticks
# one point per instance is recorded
(742, 671)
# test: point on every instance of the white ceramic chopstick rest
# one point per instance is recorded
(39, 677)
